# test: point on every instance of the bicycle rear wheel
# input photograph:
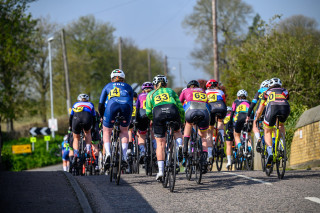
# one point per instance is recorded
(198, 166)
(281, 161)
(263, 158)
(172, 165)
(166, 170)
(220, 152)
(249, 157)
(119, 154)
(188, 168)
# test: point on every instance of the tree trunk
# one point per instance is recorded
(9, 125)
(1, 167)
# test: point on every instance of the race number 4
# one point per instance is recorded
(212, 98)
(115, 92)
(161, 98)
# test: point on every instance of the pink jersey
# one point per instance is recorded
(215, 95)
(193, 94)
(141, 102)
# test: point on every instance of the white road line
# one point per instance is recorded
(250, 178)
(314, 199)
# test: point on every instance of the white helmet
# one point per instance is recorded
(65, 137)
(242, 92)
(117, 72)
(159, 78)
(265, 83)
(83, 96)
(229, 108)
(274, 82)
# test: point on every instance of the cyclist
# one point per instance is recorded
(82, 118)
(116, 96)
(96, 138)
(65, 153)
(196, 105)
(142, 118)
(229, 135)
(217, 101)
(227, 118)
(133, 120)
(162, 105)
(238, 115)
(257, 100)
(275, 100)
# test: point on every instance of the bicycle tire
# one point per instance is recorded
(263, 158)
(172, 165)
(151, 158)
(281, 161)
(188, 168)
(119, 169)
(147, 157)
(220, 152)
(198, 165)
(249, 159)
(269, 170)
(136, 156)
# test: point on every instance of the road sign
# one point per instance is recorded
(40, 131)
(33, 139)
(20, 149)
(53, 124)
(47, 138)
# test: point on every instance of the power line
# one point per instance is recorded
(116, 6)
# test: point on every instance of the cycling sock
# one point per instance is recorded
(179, 142)
(257, 135)
(161, 166)
(76, 152)
(64, 168)
(222, 133)
(107, 147)
(269, 150)
(185, 143)
(88, 147)
(124, 150)
(229, 159)
(209, 152)
(142, 148)
(239, 145)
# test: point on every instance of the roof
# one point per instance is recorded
(308, 117)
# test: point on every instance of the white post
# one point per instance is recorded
(51, 93)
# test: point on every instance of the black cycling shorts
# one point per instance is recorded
(81, 120)
(191, 114)
(162, 114)
(238, 126)
(143, 122)
(218, 108)
(273, 110)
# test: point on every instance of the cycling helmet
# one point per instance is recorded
(211, 83)
(83, 96)
(117, 72)
(229, 108)
(194, 83)
(65, 138)
(275, 82)
(146, 85)
(159, 78)
(242, 92)
(265, 83)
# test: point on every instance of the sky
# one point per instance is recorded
(157, 24)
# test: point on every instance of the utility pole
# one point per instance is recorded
(215, 41)
(149, 67)
(120, 53)
(66, 70)
(180, 74)
(165, 66)
(51, 93)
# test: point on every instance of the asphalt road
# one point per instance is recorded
(232, 191)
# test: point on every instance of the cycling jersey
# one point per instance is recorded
(257, 99)
(141, 104)
(227, 118)
(163, 96)
(81, 116)
(65, 150)
(215, 95)
(116, 97)
(83, 106)
(193, 94)
(239, 106)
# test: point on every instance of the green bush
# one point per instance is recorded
(39, 158)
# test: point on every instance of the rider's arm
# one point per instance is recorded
(253, 103)
(94, 117)
(232, 112)
(149, 106)
(179, 105)
(103, 98)
(182, 98)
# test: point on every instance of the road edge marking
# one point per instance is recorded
(250, 178)
(84, 203)
(314, 199)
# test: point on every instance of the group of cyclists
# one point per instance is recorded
(158, 104)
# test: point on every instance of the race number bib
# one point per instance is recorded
(134, 110)
(115, 92)
(241, 108)
(197, 96)
(271, 97)
(212, 98)
(144, 105)
(78, 109)
(161, 98)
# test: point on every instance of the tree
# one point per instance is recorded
(298, 25)
(232, 16)
(16, 39)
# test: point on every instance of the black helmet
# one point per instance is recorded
(194, 83)
(135, 95)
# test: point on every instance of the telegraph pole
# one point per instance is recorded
(66, 70)
(120, 53)
(149, 67)
(215, 41)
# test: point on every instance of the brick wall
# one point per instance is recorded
(305, 147)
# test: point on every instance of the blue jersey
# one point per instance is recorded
(259, 94)
(83, 106)
(119, 92)
(65, 146)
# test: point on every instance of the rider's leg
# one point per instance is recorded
(88, 139)
(161, 144)
(186, 138)
(142, 140)
(76, 139)
(124, 137)
(229, 151)
(106, 140)
(221, 128)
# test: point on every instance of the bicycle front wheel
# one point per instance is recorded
(172, 165)
(281, 160)
(263, 158)
(220, 152)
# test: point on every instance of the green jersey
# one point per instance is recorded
(163, 96)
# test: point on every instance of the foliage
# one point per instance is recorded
(16, 39)
(39, 158)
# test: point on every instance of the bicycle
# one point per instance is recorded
(116, 151)
(133, 157)
(170, 167)
(247, 154)
(90, 163)
(279, 153)
(237, 160)
(150, 158)
(263, 148)
(78, 167)
(217, 149)
(194, 164)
